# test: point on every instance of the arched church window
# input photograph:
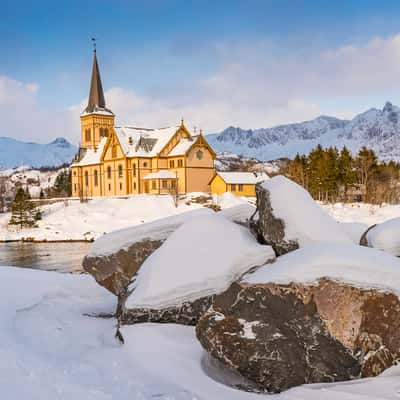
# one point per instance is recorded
(86, 178)
(87, 135)
(105, 132)
(120, 173)
(101, 133)
(109, 172)
(134, 169)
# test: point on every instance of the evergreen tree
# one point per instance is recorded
(63, 184)
(23, 210)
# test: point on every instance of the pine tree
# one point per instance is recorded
(62, 184)
(23, 210)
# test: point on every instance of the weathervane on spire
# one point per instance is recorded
(94, 43)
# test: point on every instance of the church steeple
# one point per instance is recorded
(96, 96)
(97, 121)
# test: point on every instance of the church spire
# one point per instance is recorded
(96, 96)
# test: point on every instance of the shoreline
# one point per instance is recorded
(47, 241)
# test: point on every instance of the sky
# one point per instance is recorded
(248, 63)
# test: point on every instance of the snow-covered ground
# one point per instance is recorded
(51, 350)
(72, 220)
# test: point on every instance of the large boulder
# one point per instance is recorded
(384, 236)
(288, 217)
(199, 260)
(115, 258)
(355, 290)
(274, 339)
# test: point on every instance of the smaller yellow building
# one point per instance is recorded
(238, 183)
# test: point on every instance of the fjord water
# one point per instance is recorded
(61, 257)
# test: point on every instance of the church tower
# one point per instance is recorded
(96, 120)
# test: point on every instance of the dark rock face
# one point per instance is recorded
(363, 239)
(116, 270)
(367, 322)
(267, 228)
(185, 314)
(274, 340)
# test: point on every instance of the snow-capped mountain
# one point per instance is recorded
(14, 153)
(376, 129)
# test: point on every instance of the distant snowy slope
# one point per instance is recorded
(14, 153)
(376, 129)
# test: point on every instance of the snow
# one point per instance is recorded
(356, 265)
(202, 257)
(51, 351)
(72, 220)
(376, 129)
(245, 178)
(14, 153)
(182, 147)
(369, 214)
(305, 222)
(161, 174)
(386, 236)
(156, 230)
(354, 230)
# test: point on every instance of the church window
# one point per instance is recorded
(240, 188)
(74, 173)
(153, 185)
(199, 154)
(164, 184)
(233, 188)
(145, 164)
(109, 172)
(134, 185)
(74, 187)
(86, 178)
(180, 163)
(134, 169)
(120, 173)
(171, 164)
(87, 135)
(109, 187)
(96, 178)
(120, 186)
(105, 132)
(114, 151)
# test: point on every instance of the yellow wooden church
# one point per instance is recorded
(121, 160)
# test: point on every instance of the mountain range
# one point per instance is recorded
(375, 128)
(14, 153)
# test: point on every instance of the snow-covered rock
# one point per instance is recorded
(385, 236)
(115, 258)
(354, 230)
(375, 128)
(273, 339)
(51, 350)
(288, 217)
(201, 258)
(359, 266)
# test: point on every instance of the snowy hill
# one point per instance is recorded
(376, 129)
(14, 153)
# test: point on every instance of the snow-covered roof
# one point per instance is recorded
(243, 178)
(182, 147)
(161, 174)
(92, 157)
(98, 111)
(143, 142)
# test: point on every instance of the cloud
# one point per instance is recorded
(253, 85)
(23, 117)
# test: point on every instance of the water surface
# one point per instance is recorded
(62, 257)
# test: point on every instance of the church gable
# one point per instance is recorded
(112, 149)
(181, 133)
